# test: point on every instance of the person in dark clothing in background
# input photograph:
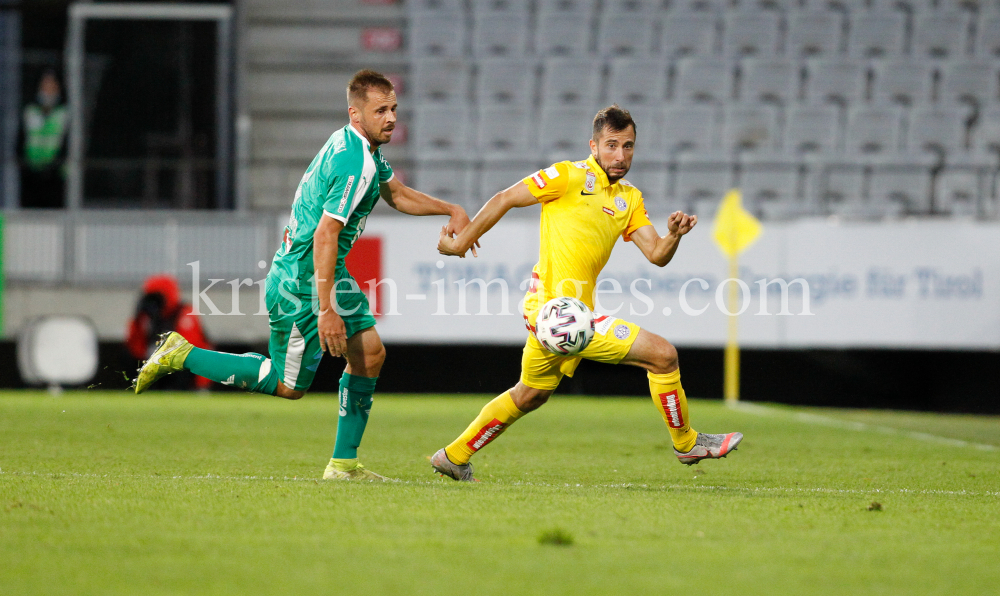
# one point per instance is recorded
(41, 146)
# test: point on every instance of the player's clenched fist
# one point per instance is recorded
(681, 223)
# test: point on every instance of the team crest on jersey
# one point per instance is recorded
(591, 181)
(620, 204)
(622, 331)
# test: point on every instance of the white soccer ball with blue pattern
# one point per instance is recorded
(565, 326)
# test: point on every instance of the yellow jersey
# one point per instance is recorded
(583, 215)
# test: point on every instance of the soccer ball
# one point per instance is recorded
(564, 326)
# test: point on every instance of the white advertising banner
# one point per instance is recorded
(920, 284)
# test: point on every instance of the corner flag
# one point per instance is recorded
(735, 230)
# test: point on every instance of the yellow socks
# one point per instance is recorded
(492, 420)
(668, 395)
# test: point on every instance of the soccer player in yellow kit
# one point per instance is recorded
(586, 207)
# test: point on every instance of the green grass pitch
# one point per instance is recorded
(106, 493)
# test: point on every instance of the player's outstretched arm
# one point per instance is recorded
(517, 195)
(407, 200)
(659, 250)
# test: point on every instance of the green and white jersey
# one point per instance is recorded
(342, 182)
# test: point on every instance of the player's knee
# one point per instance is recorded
(528, 398)
(665, 359)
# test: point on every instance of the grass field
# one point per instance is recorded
(103, 493)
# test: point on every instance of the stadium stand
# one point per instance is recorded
(816, 107)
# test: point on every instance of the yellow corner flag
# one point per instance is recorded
(735, 230)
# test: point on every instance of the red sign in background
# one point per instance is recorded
(364, 263)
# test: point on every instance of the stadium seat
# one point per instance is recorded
(437, 34)
(936, 128)
(492, 8)
(637, 82)
(688, 34)
(653, 182)
(770, 80)
(988, 36)
(811, 129)
(650, 147)
(911, 6)
(500, 35)
(713, 6)
(958, 191)
(435, 6)
(875, 34)
(843, 6)
(646, 7)
(749, 127)
(833, 181)
(780, 6)
(837, 80)
(439, 80)
(563, 34)
(903, 82)
(505, 133)
(769, 183)
(625, 34)
(495, 177)
(969, 81)
(813, 33)
(705, 80)
(901, 183)
(571, 82)
(447, 181)
(440, 132)
(986, 135)
(940, 34)
(569, 7)
(563, 132)
(688, 128)
(701, 182)
(506, 81)
(872, 129)
(750, 33)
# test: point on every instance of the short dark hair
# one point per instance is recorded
(613, 118)
(363, 81)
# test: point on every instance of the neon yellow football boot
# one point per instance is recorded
(168, 357)
(350, 469)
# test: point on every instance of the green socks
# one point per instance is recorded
(252, 372)
(355, 404)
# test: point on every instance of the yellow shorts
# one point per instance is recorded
(541, 369)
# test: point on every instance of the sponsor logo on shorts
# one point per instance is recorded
(608, 211)
(538, 180)
(347, 191)
(603, 323)
(672, 408)
(486, 434)
(551, 172)
(620, 204)
(591, 181)
(622, 331)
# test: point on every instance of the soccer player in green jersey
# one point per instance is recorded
(314, 304)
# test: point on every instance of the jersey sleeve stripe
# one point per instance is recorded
(339, 218)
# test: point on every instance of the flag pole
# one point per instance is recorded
(731, 383)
